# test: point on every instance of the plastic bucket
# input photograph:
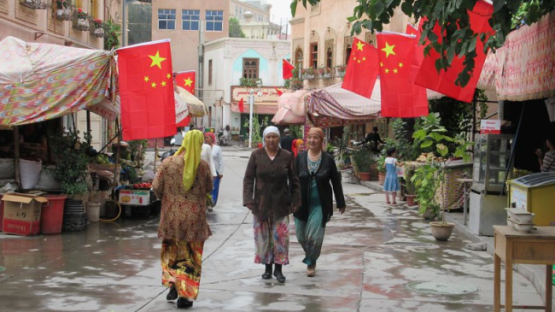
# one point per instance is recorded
(93, 211)
(52, 214)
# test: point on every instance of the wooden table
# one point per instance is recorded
(511, 246)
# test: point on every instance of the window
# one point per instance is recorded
(314, 55)
(347, 54)
(329, 58)
(190, 19)
(250, 68)
(209, 72)
(214, 20)
(166, 19)
(299, 58)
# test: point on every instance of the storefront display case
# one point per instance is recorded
(491, 159)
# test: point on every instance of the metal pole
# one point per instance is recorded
(251, 104)
(124, 27)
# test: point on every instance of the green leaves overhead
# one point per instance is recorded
(452, 16)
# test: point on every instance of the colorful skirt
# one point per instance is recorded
(310, 234)
(271, 240)
(182, 266)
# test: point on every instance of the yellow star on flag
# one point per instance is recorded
(153, 84)
(168, 76)
(360, 45)
(163, 83)
(188, 82)
(157, 60)
(388, 50)
(381, 64)
(359, 61)
(146, 79)
(395, 70)
(400, 64)
(387, 71)
(364, 58)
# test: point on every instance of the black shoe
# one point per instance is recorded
(268, 273)
(184, 303)
(278, 274)
(172, 295)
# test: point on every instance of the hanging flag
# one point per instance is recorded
(418, 49)
(186, 80)
(444, 81)
(362, 69)
(241, 106)
(279, 92)
(287, 69)
(400, 96)
(185, 122)
(146, 91)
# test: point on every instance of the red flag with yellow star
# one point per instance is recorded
(186, 80)
(146, 91)
(362, 69)
(400, 96)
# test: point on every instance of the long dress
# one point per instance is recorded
(391, 183)
(183, 225)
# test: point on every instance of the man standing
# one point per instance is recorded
(374, 139)
(286, 141)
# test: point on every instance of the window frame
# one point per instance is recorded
(247, 72)
(314, 54)
(190, 21)
(212, 21)
(168, 20)
(299, 58)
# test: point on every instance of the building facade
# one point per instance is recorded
(188, 24)
(254, 18)
(229, 62)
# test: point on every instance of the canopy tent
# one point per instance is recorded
(195, 106)
(40, 81)
(291, 108)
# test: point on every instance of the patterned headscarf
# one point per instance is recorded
(296, 146)
(268, 130)
(317, 131)
(192, 145)
(212, 136)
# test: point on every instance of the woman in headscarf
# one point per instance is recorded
(271, 191)
(218, 161)
(296, 147)
(316, 169)
(182, 183)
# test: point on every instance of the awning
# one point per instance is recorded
(41, 81)
(195, 106)
(291, 109)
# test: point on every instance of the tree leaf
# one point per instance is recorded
(294, 7)
(426, 144)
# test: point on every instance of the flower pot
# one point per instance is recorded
(442, 231)
(381, 178)
(98, 32)
(364, 176)
(410, 200)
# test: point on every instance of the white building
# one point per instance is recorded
(254, 18)
(226, 61)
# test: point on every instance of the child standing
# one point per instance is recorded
(391, 184)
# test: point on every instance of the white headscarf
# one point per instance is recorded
(268, 130)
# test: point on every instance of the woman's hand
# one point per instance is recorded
(341, 210)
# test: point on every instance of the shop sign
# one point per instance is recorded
(490, 126)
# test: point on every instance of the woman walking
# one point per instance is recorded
(218, 161)
(271, 192)
(316, 169)
(182, 183)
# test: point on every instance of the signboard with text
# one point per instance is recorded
(490, 127)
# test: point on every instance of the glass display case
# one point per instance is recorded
(491, 159)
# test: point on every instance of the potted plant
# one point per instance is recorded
(63, 11)
(82, 20)
(363, 160)
(98, 30)
(381, 169)
(427, 178)
(307, 73)
(340, 70)
(409, 184)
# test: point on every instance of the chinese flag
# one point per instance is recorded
(400, 96)
(418, 49)
(287, 69)
(146, 91)
(241, 106)
(444, 81)
(279, 92)
(185, 122)
(186, 80)
(362, 69)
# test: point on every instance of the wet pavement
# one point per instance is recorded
(375, 258)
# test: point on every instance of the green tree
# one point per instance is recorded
(452, 17)
(235, 30)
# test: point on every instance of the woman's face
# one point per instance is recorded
(271, 140)
(314, 142)
(208, 139)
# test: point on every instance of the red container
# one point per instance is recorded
(1, 212)
(52, 214)
(19, 227)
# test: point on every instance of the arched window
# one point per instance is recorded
(299, 58)
(250, 68)
(329, 58)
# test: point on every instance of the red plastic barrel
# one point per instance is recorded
(1, 212)
(52, 214)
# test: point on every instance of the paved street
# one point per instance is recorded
(372, 256)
